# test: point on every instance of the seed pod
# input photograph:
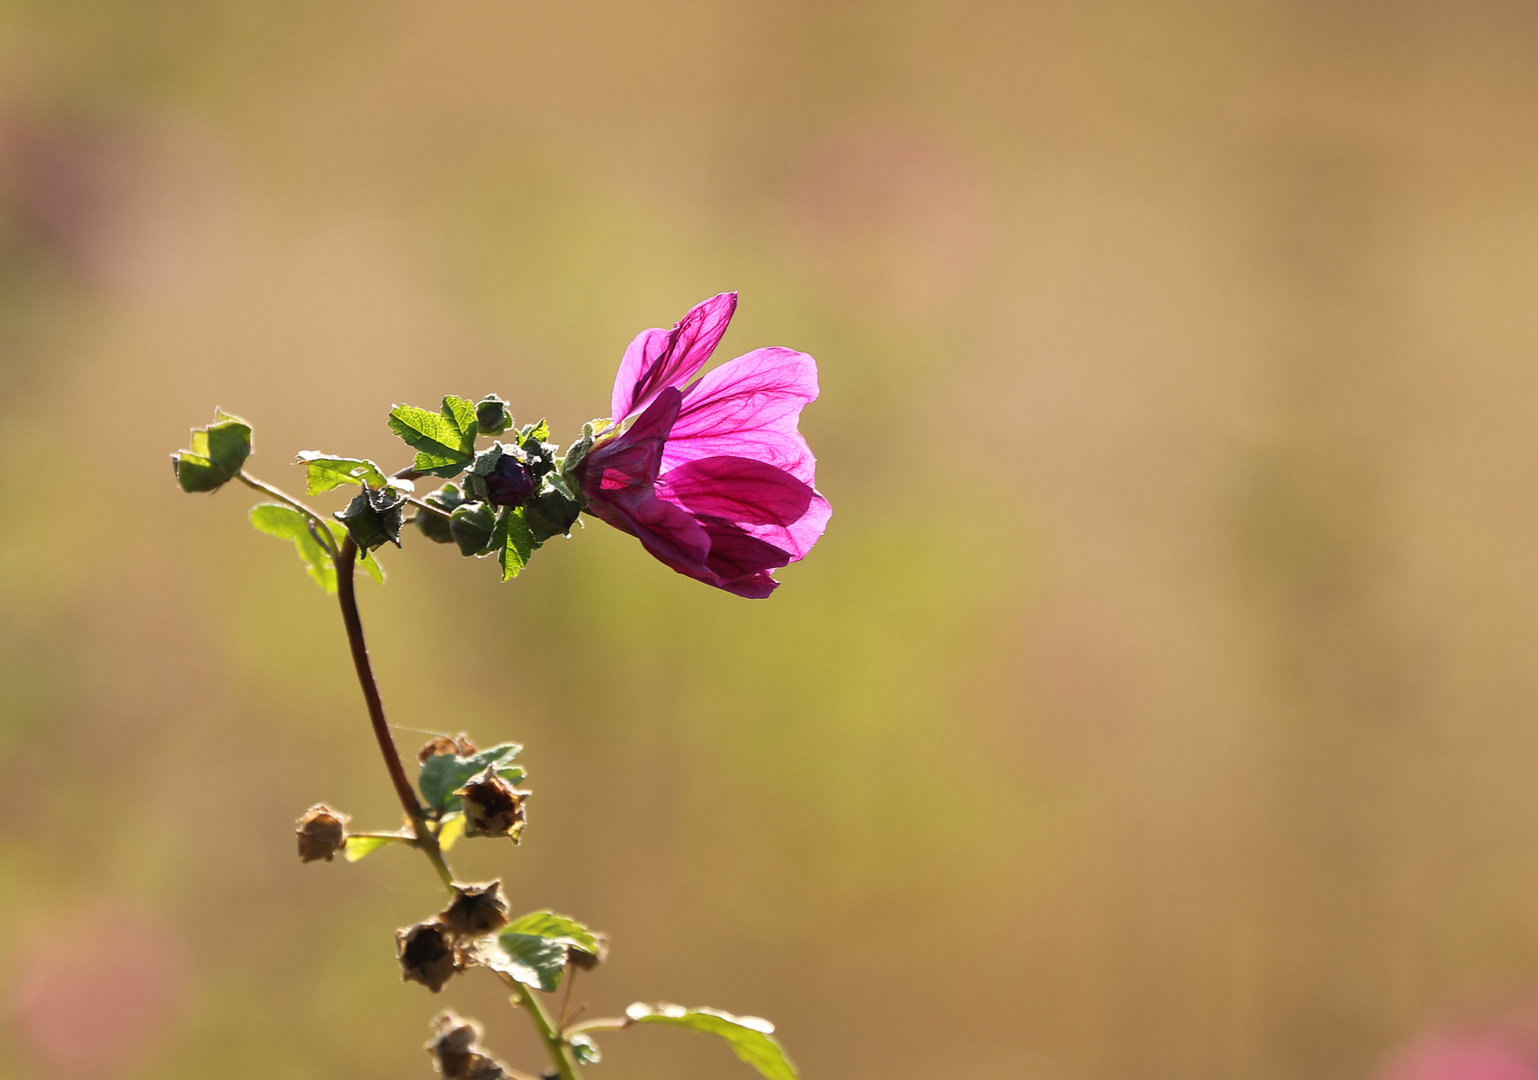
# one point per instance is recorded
(460, 745)
(426, 953)
(475, 910)
(493, 807)
(322, 833)
(456, 1049)
(583, 960)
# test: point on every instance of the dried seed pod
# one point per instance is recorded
(475, 910)
(322, 833)
(459, 744)
(427, 955)
(493, 807)
(583, 960)
(456, 1049)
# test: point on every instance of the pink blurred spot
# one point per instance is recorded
(88, 1002)
(897, 220)
(1460, 1057)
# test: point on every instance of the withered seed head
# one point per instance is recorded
(583, 960)
(475, 910)
(322, 833)
(426, 953)
(456, 1050)
(460, 745)
(493, 807)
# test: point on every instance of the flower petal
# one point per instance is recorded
(633, 457)
(749, 407)
(736, 489)
(662, 358)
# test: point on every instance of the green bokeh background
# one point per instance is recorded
(1160, 702)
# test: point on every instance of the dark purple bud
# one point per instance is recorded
(510, 483)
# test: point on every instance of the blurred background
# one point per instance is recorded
(1160, 704)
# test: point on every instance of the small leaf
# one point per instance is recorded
(218, 451)
(532, 960)
(322, 473)
(750, 1037)
(443, 774)
(286, 523)
(536, 433)
(547, 924)
(451, 827)
(585, 1048)
(359, 847)
(513, 541)
(444, 441)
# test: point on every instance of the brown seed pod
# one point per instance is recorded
(475, 909)
(322, 833)
(427, 954)
(583, 960)
(456, 1050)
(493, 807)
(442, 744)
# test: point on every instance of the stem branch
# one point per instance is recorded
(560, 1051)
(346, 561)
(320, 530)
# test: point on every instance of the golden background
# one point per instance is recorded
(1158, 706)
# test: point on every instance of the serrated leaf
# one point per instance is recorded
(547, 924)
(444, 441)
(750, 1037)
(532, 960)
(443, 774)
(323, 472)
(513, 541)
(359, 847)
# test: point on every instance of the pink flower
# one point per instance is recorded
(712, 477)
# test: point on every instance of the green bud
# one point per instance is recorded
(471, 527)
(374, 516)
(492, 416)
(435, 526)
(551, 514)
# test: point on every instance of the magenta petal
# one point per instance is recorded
(736, 489)
(662, 358)
(749, 407)
(633, 457)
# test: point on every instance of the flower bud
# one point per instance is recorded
(509, 483)
(491, 416)
(426, 952)
(493, 807)
(583, 960)
(475, 910)
(456, 1049)
(322, 833)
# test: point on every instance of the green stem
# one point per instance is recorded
(346, 562)
(560, 1050)
(321, 531)
(607, 1023)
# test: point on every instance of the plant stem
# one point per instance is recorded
(555, 1042)
(608, 1023)
(346, 561)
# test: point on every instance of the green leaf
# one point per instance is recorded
(532, 960)
(322, 473)
(218, 451)
(444, 441)
(286, 523)
(537, 433)
(359, 847)
(513, 541)
(750, 1037)
(547, 924)
(443, 774)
